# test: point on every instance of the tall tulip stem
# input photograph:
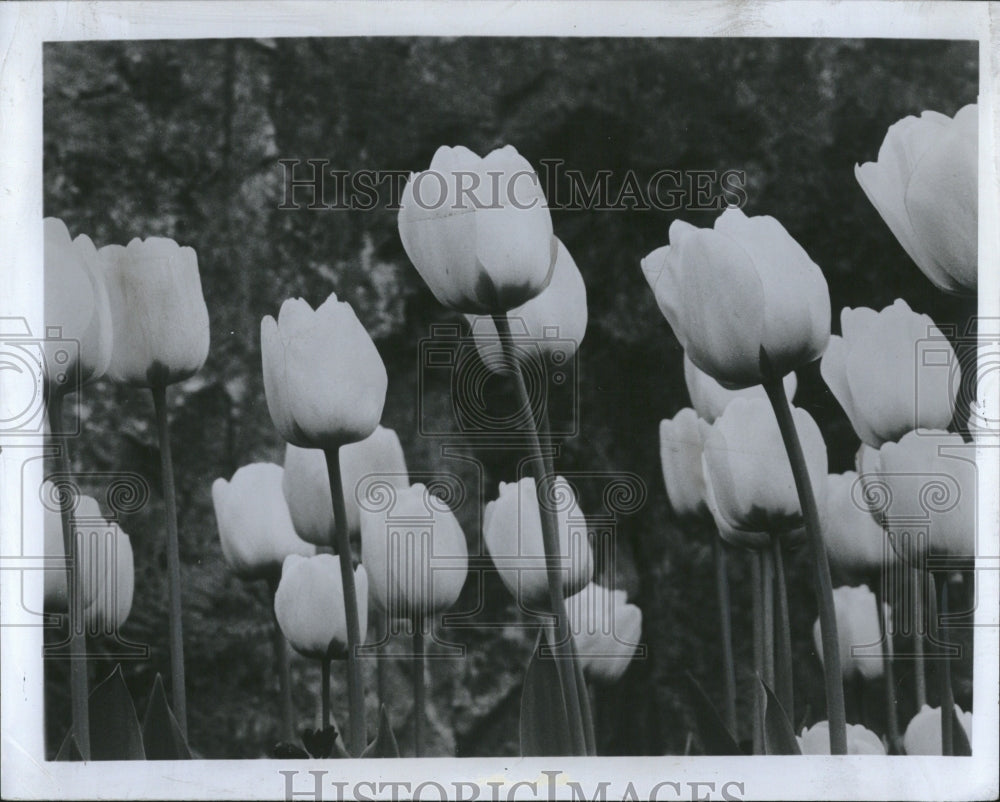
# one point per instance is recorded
(919, 632)
(283, 665)
(821, 567)
(560, 637)
(767, 605)
(79, 692)
(725, 631)
(355, 692)
(758, 650)
(783, 634)
(177, 685)
(891, 716)
(944, 673)
(419, 690)
(324, 691)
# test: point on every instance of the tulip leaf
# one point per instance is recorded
(716, 739)
(960, 746)
(114, 725)
(69, 750)
(779, 737)
(161, 734)
(384, 744)
(545, 726)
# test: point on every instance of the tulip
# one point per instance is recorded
(860, 740)
(709, 398)
(923, 733)
(364, 467)
(323, 377)
(76, 301)
(854, 541)
(255, 527)
(87, 509)
(478, 230)
(730, 291)
(925, 185)
(159, 317)
(858, 628)
(512, 529)
(416, 554)
(606, 631)
(112, 561)
(309, 605)
(927, 486)
(682, 440)
(877, 374)
(749, 486)
(550, 326)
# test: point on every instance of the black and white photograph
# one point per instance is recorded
(487, 401)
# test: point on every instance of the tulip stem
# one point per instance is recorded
(560, 637)
(78, 681)
(836, 715)
(919, 631)
(355, 692)
(726, 631)
(324, 689)
(177, 685)
(783, 636)
(944, 673)
(419, 690)
(767, 589)
(891, 716)
(381, 632)
(758, 650)
(282, 659)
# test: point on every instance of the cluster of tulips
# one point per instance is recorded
(345, 540)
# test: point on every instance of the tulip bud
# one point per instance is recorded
(478, 230)
(158, 313)
(364, 467)
(323, 377)
(255, 528)
(709, 398)
(512, 529)
(854, 541)
(682, 440)
(550, 326)
(925, 185)
(737, 288)
(858, 630)
(111, 562)
(860, 740)
(309, 605)
(925, 483)
(606, 630)
(416, 554)
(923, 733)
(749, 486)
(86, 509)
(76, 301)
(876, 373)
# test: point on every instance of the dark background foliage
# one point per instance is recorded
(182, 139)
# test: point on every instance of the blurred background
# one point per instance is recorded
(183, 140)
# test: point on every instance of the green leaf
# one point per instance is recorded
(114, 726)
(384, 744)
(960, 746)
(779, 737)
(69, 749)
(545, 727)
(162, 738)
(715, 737)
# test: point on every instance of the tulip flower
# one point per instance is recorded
(87, 509)
(860, 740)
(478, 230)
(682, 440)
(113, 564)
(158, 312)
(255, 527)
(550, 326)
(309, 605)
(737, 288)
(878, 374)
(512, 529)
(364, 467)
(854, 541)
(416, 554)
(923, 733)
(749, 486)
(926, 485)
(858, 628)
(709, 398)
(76, 302)
(606, 630)
(925, 185)
(323, 377)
